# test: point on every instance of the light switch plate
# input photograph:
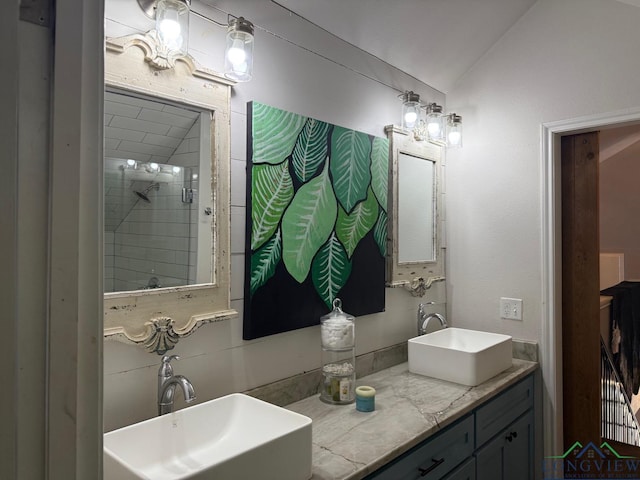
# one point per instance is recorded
(511, 308)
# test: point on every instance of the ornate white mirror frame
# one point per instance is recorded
(157, 319)
(415, 276)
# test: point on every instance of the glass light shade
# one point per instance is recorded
(238, 58)
(454, 131)
(435, 123)
(172, 24)
(410, 110)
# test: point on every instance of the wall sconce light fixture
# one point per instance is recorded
(434, 126)
(238, 57)
(435, 122)
(454, 131)
(172, 22)
(410, 109)
(172, 29)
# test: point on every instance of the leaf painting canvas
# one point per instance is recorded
(316, 221)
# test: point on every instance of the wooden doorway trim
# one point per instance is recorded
(580, 288)
(551, 259)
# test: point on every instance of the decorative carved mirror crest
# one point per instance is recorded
(157, 318)
(414, 255)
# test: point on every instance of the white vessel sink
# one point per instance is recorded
(459, 355)
(232, 437)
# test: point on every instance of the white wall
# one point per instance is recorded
(620, 200)
(561, 60)
(215, 358)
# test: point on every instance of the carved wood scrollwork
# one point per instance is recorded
(161, 334)
(155, 52)
(419, 286)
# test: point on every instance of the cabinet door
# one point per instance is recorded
(466, 471)
(489, 460)
(518, 452)
(510, 454)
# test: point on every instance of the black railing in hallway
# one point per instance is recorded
(618, 420)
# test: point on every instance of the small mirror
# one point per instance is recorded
(156, 229)
(414, 257)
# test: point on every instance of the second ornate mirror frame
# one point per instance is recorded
(157, 319)
(415, 276)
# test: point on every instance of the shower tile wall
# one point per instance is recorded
(108, 261)
(187, 155)
(156, 238)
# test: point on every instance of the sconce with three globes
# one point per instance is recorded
(432, 124)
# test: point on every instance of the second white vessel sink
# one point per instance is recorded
(232, 437)
(468, 357)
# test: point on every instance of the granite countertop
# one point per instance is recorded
(348, 445)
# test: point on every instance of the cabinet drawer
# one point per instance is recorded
(437, 456)
(503, 410)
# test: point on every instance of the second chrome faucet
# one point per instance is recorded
(424, 318)
(167, 383)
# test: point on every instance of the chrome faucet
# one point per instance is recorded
(424, 318)
(167, 383)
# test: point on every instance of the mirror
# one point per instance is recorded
(416, 208)
(167, 175)
(157, 233)
(414, 256)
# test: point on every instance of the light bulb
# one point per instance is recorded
(236, 53)
(410, 118)
(434, 129)
(154, 166)
(176, 170)
(454, 138)
(131, 163)
(170, 33)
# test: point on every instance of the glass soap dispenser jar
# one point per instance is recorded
(337, 330)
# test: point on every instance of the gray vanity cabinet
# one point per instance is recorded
(494, 442)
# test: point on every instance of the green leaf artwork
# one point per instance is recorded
(380, 232)
(265, 260)
(272, 190)
(330, 269)
(274, 133)
(350, 166)
(310, 149)
(352, 228)
(307, 223)
(380, 170)
(316, 221)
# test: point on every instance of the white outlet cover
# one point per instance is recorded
(511, 308)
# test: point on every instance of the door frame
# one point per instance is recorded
(551, 228)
